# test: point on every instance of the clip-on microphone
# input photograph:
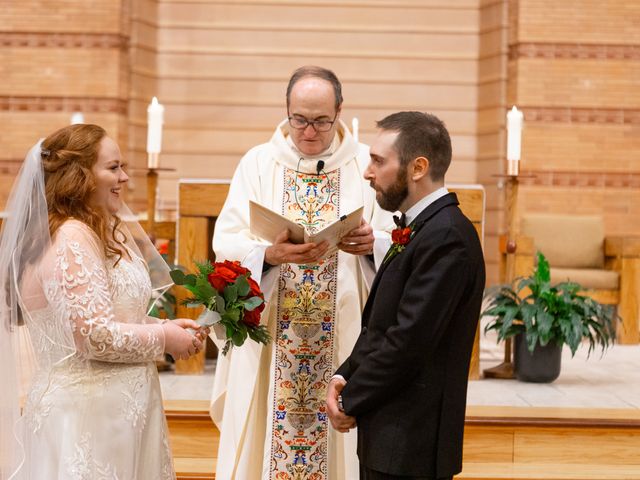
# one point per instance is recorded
(319, 167)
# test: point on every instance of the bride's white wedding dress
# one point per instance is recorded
(94, 409)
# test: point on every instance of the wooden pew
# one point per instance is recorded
(200, 202)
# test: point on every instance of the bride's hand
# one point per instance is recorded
(201, 332)
(179, 343)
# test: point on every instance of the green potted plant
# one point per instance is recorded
(543, 318)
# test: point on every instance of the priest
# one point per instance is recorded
(269, 401)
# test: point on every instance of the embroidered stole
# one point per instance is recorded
(304, 340)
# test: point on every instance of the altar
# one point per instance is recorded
(583, 426)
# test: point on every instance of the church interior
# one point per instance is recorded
(219, 68)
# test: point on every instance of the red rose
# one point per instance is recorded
(221, 277)
(235, 266)
(253, 317)
(163, 248)
(255, 288)
(401, 236)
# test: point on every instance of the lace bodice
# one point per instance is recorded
(94, 306)
(95, 381)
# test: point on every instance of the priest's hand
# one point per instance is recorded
(283, 251)
(340, 421)
(358, 241)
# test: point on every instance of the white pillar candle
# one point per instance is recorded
(354, 128)
(76, 118)
(514, 140)
(155, 113)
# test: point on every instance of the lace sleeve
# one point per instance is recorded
(79, 291)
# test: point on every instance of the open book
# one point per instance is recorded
(267, 224)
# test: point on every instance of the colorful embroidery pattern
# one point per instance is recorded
(304, 338)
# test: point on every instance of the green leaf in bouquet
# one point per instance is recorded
(230, 328)
(204, 289)
(242, 284)
(233, 314)
(192, 289)
(154, 312)
(240, 335)
(205, 268)
(220, 304)
(252, 303)
(242, 327)
(179, 278)
(259, 334)
(230, 293)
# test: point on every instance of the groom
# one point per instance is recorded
(405, 382)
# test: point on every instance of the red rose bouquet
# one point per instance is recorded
(232, 299)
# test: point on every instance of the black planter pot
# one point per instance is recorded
(541, 366)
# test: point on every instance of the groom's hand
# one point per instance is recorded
(340, 421)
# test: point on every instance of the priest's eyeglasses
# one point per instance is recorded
(300, 123)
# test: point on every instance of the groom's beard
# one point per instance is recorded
(391, 198)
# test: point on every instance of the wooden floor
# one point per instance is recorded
(194, 438)
(501, 443)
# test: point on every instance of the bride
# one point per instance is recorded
(76, 274)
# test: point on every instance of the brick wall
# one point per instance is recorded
(574, 69)
(58, 57)
(220, 68)
(223, 67)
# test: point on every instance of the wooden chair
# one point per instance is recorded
(200, 202)
(578, 250)
(472, 200)
(165, 231)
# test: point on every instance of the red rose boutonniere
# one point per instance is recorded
(399, 238)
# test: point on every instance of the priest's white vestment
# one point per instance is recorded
(268, 401)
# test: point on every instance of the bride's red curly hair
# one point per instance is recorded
(68, 156)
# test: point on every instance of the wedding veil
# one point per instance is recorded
(24, 236)
(24, 239)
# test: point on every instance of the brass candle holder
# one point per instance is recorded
(507, 270)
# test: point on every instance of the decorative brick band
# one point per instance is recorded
(582, 115)
(64, 40)
(580, 179)
(64, 104)
(574, 51)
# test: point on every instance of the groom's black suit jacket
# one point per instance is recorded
(407, 374)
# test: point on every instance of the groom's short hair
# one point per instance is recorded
(420, 135)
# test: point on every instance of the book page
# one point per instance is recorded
(267, 224)
(334, 232)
